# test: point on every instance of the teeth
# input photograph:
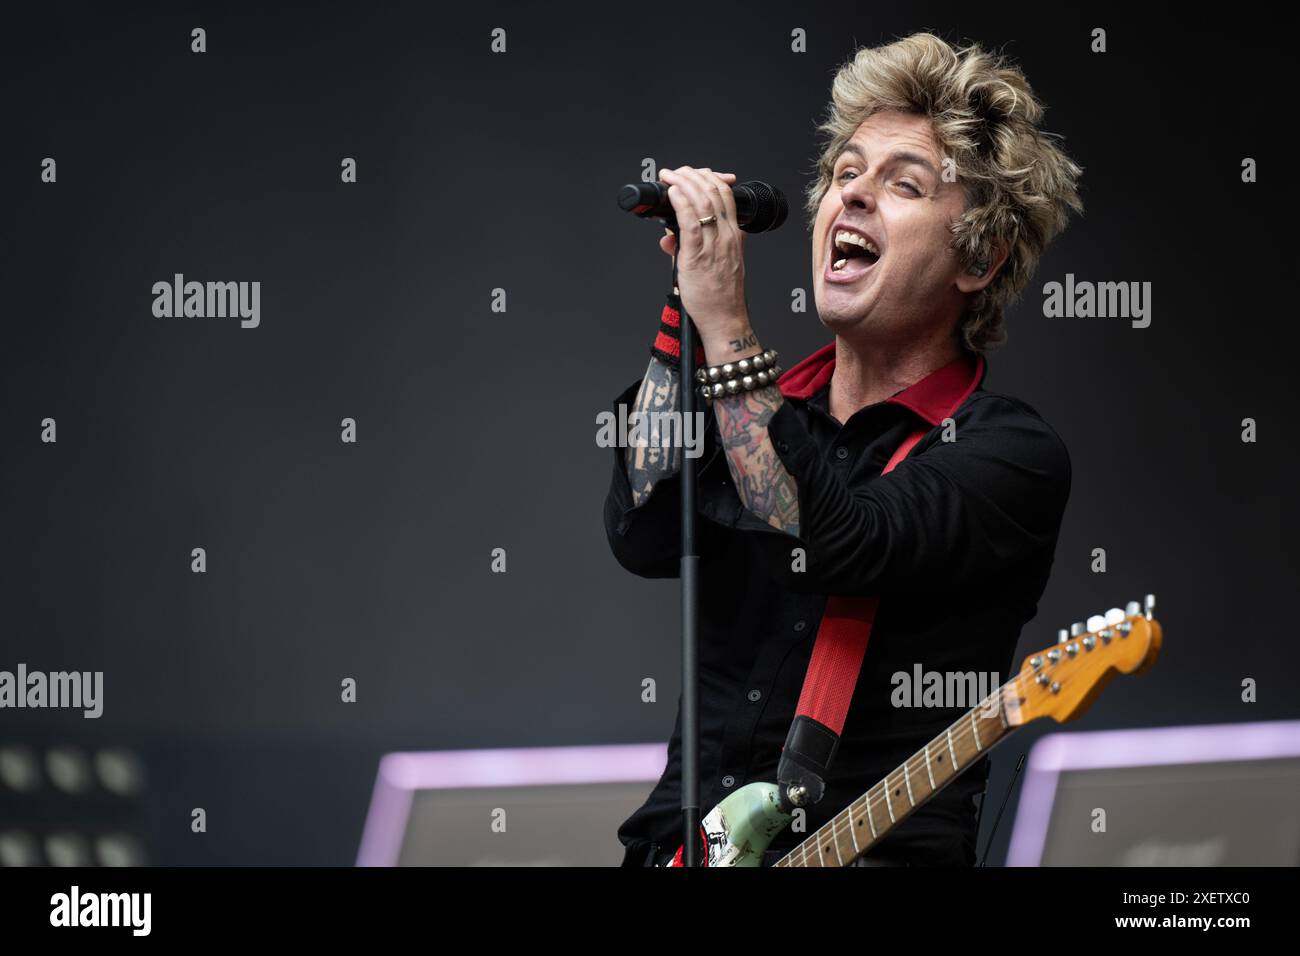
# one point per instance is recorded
(839, 264)
(844, 237)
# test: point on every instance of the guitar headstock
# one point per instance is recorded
(1061, 681)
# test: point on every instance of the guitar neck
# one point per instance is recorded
(865, 821)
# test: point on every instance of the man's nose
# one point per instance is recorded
(858, 191)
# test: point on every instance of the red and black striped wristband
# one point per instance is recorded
(667, 346)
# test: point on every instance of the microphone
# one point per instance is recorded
(759, 207)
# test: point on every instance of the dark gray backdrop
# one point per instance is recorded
(477, 429)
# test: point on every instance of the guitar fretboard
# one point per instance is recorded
(861, 824)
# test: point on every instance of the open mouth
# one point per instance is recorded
(851, 255)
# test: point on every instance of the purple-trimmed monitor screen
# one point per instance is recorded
(1210, 795)
(562, 805)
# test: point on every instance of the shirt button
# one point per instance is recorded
(799, 625)
(841, 453)
(755, 694)
(728, 781)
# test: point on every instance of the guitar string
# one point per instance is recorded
(872, 803)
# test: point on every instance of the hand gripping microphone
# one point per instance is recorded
(759, 207)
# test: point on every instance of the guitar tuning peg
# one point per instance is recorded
(1132, 609)
(1149, 605)
(1114, 615)
(1096, 622)
(1062, 636)
(1076, 628)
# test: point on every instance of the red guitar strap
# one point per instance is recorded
(845, 629)
(842, 642)
(828, 686)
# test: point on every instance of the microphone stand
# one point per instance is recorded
(692, 850)
(760, 207)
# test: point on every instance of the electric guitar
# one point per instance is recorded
(1059, 682)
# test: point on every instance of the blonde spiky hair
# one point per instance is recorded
(1019, 184)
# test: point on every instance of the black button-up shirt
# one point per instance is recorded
(957, 541)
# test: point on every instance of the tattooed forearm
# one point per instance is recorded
(660, 392)
(762, 482)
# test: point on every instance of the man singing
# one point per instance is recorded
(935, 195)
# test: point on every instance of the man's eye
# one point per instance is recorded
(843, 174)
(912, 186)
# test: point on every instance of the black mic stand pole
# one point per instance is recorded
(692, 850)
(760, 207)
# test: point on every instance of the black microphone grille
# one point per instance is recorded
(770, 207)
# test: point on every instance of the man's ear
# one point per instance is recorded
(974, 282)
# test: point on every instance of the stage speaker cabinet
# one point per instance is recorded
(1215, 795)
(543, 806)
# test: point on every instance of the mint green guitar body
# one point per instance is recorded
(740, 828)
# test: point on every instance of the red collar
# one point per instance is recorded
(934, 397)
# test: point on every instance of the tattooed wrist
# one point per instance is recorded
(731, 346)
(745, 340)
